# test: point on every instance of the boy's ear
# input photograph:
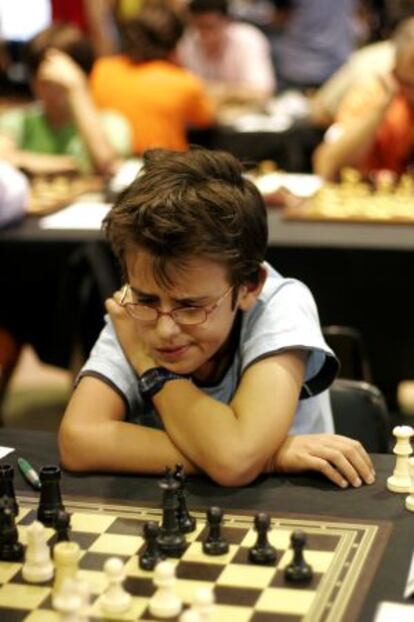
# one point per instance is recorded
(249, 292)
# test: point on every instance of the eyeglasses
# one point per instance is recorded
(185, 316)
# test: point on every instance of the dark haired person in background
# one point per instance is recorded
(62, 130)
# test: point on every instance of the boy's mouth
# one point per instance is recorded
(172, 354)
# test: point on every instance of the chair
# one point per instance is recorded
(360, 412)
(349, 347)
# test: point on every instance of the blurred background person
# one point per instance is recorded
(62, 130)
(234, 58)
(374, 125)
(160, 99)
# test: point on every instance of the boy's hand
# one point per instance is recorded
(129, 335)
(59, 68)
(341, 459)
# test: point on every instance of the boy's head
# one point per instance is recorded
(153, 34)
(209, 18)
(191, 204)
(63, 37)
(191, 235)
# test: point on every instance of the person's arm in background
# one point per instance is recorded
(33, 163)
(60, 69)
(349, 141)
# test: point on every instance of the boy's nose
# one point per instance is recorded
(167, 326)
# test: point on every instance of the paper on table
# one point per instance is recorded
(81, 215)
(394, 612)
(5, 451)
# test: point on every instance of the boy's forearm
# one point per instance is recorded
(118, 446)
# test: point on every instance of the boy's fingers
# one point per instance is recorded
(327, 469)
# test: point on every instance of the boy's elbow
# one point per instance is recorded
(72, 456)
(234, 470)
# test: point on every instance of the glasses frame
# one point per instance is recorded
(208, 310)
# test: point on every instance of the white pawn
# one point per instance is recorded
(190, 615)
(400, 481)
(203, 603)
(409, 501)
(165, 603)
(68, 602)
(38, 566)
(115, 599)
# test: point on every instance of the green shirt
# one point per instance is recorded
(29, 128)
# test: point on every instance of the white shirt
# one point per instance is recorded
(245, 59)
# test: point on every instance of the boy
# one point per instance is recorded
(218, 358)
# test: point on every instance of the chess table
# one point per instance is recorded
(364, 535)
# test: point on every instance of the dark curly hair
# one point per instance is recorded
(188, 204)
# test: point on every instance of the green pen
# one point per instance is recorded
(29, 473)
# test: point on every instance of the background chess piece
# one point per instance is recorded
(7, 486)
(50, 497)
(400, 480)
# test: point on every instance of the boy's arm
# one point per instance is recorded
(234, 443)
(94, 436)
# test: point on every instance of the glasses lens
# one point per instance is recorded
(141, 312)
(189, 315)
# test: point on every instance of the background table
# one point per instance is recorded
(308, 494)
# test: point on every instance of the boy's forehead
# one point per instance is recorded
(194, 272)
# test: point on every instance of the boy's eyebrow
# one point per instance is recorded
(185, 301)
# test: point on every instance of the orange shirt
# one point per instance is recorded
(159, 99)
(394, 142)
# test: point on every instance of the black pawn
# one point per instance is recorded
(62, 526)
(262, 552)
(215, 544)
(298, 571)
(151, 554)
(50, 498)
(170, 540)
(186, 522)
(10, 548)
(7, 486)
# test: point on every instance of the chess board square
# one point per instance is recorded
(8, 570)
(233, 534)
(195, 553)
(83, 538)
(242, 557)
(200, 571)
(95, 561)
(116, 544)
(246, 576)
(285, 600)
(132, 568)
(22, 596)
(262, 616)
(319, 560)
(226, 613)
(92, 523)
(186, 588)
(26, 516)
(246, 597)
(322, 542)
(41, 615)
(127, 526)
(138, 606)
(140, 586)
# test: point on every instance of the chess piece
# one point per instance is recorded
(262, 553)
(298, 571)
(190, 615)
(215, 544)
(62, 526)
(10, 547)
(50, 497)
(151, 554)
(165, 603)
(115, 598)
(38, 567)
(400, 481)
(186, 522)
(82, 589)
(66, 559)
(203, 603)
(7, 486)
(409, 501)
(68, 602)
(170, 540)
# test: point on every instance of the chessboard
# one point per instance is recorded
(344, 555)
(355, 199)
(50, 193)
